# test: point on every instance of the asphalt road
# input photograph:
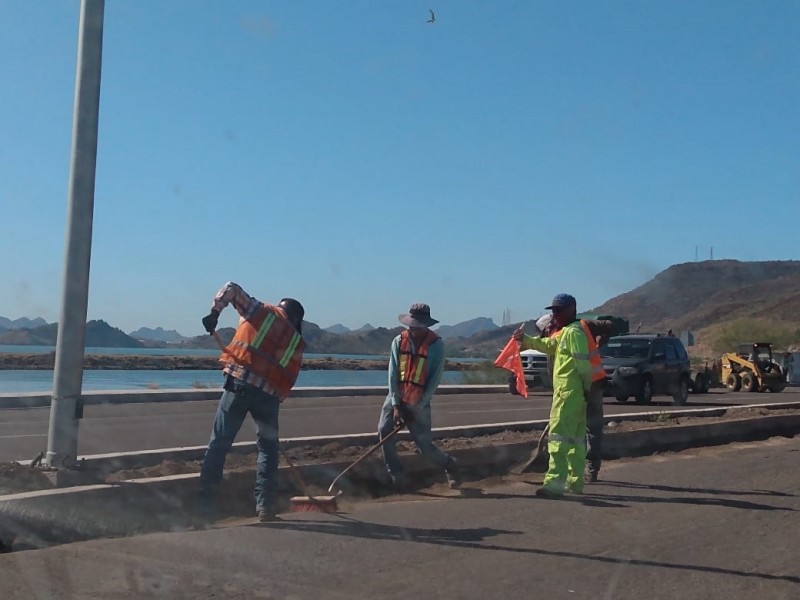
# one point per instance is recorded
(710, 524)
(131, 427)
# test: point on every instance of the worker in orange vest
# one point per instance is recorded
(416, 362)
(261, 365)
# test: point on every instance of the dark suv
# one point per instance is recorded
(643, 365)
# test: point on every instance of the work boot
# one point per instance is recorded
(591, 477)
(548, 494)
(266, 513)
(206, 504)
(453, 477)
(400, 482)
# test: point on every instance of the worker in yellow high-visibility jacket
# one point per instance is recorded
(572, 378)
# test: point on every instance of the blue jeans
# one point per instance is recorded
(237, 400)
(420, 431)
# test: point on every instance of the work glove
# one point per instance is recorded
(402, 415)
(210, 321)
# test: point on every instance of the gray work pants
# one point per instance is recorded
(594, 428)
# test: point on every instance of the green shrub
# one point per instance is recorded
(746, 330)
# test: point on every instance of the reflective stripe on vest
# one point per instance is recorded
(413, 366)
(269, 346)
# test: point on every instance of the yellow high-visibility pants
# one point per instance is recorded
(567, 441)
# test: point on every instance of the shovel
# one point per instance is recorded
(527, 463)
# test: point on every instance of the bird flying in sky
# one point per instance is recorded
(433, 17)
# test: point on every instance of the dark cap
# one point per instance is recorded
(293, 309)
(562, 301)
(419, 315)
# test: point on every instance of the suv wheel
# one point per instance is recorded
(681, 395)
(645, 395)
(700, 384)
(512, 386)
(622, 398)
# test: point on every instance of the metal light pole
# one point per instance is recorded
(66, 405)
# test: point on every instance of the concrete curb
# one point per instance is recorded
(55, 516)
(106, 463)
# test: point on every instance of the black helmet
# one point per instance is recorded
(294, 310)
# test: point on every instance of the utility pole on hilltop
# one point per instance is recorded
(66, 406)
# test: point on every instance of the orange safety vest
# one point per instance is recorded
(270, 347)
(598, 373)
(414, 366)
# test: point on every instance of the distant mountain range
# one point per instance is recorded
(157, 335)
(339, 328)
(700, 296)
(98, 334)
(22, 323)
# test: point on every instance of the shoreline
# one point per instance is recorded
(46, 362)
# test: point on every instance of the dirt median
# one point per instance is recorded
(16, 478)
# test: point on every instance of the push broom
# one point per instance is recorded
(309, 502)
(363, 457)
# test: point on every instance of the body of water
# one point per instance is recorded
(12, 349)
(26, 381)
(19, 381)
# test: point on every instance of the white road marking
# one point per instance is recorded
(5, 437)
(494, 410)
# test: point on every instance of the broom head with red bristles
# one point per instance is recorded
(323, 504)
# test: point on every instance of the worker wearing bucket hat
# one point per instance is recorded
(416, 363)
(572, 380)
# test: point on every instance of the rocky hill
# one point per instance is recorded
(697, 295)
(466, 328)
(159, 334)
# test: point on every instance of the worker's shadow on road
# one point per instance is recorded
(474, 493)
(694, 500)
(347, 526)
(475, 539)
(697, 490)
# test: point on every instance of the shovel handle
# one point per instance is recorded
(368, 453)
(220, 343)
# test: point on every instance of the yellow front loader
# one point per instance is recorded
(751, 369)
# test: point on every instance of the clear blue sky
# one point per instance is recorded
(355, 157)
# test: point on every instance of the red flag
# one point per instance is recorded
(510, 360)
